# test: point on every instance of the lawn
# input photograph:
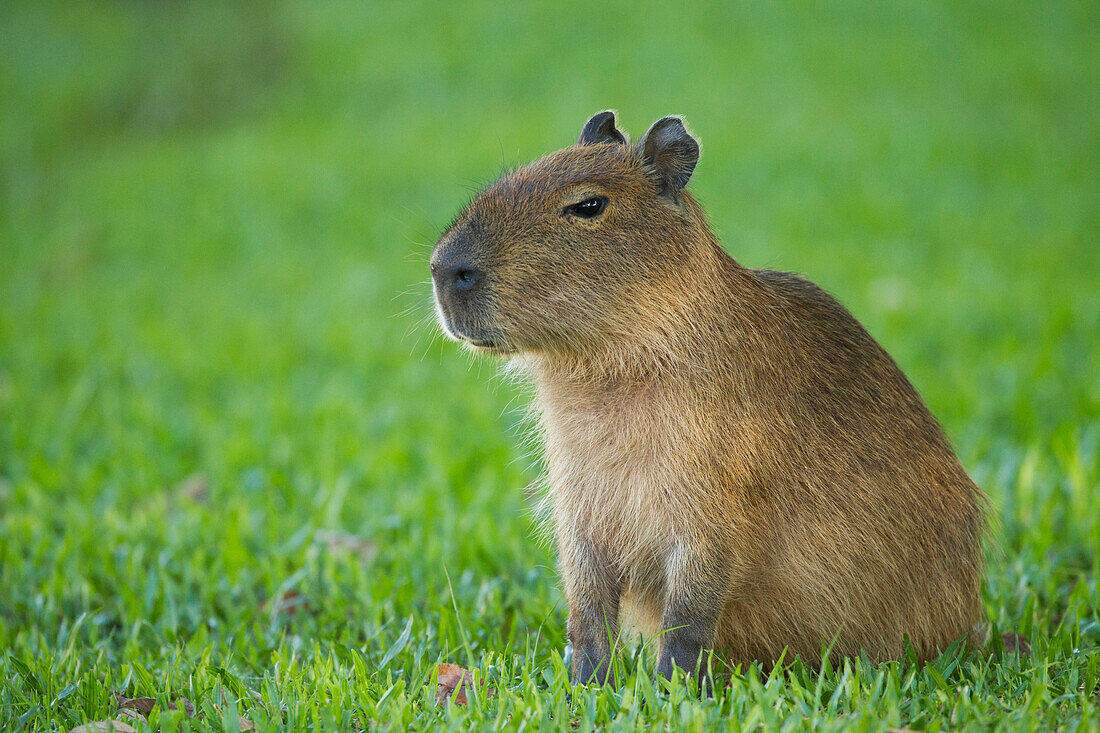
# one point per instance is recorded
(238, 464)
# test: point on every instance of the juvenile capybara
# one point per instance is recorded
(733, 460)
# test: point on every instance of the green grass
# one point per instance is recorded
(213, 235)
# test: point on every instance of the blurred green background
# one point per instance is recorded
(219, 381)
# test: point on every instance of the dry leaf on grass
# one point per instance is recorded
(184, 704)
(290, 603)
(104, 726)
(1017, 643)
(145, 705)
(452, 681)
(450, 677)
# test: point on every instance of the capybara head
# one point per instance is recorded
(574, 248)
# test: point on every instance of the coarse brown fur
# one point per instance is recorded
(733, 460)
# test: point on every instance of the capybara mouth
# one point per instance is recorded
(487, 340)
(494, 346)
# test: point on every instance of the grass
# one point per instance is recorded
(237, 466)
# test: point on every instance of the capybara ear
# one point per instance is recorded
(601, 129)
(671, 153)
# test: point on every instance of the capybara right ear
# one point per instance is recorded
(671, 153)
(601, 129)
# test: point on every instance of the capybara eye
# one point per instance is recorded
(589, 207)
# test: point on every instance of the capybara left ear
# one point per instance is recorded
(601, 129)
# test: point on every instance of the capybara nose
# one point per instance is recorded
(460, 276)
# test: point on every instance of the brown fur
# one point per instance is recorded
(730, 454)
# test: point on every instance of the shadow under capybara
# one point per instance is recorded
(734, 463)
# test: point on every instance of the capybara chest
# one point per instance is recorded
(615, 465)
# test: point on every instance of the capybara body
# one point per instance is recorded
(734, 463)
